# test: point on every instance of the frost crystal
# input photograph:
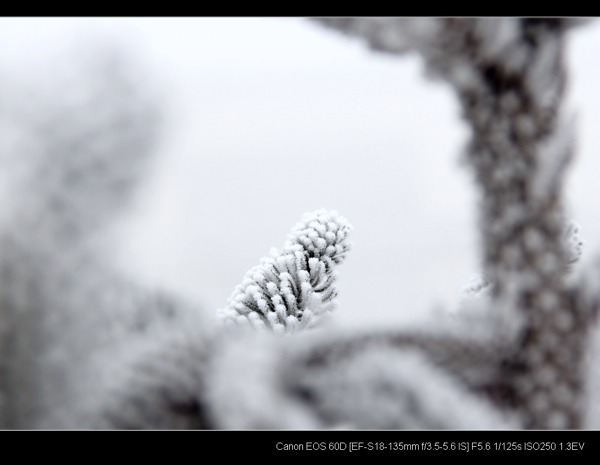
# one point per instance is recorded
(293, 288)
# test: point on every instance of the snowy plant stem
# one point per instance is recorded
(293, 288)
(509, 76)
(516, 126)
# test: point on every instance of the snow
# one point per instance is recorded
(249, 148)
(555, 152)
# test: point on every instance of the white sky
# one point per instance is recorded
(269, 118)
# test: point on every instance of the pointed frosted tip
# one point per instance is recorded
(323, 220)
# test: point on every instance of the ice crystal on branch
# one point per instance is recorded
(293, 288)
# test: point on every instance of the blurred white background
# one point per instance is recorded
(269, 118)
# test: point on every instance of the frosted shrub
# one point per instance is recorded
(88, 348)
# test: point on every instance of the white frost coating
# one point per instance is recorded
(497, 36)
(405, 34)
(541, 78)
(294, 288)
(420, 31)
(519, 149)
(478, 286)
(410, 32)
(473, 304)
(476, 313)
(260, 381)
(554, 154)
(463, 76)
(437, 378)
(474, 295)
(83, 165)
(245, 391)
(80, 141)
(389, 388)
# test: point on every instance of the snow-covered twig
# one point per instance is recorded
(509, 76)
(293, 288)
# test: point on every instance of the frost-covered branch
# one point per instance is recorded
(74, 145)
(89, 348)
(480, 286)
(293, 288)
(349, 380)
(509, 76)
